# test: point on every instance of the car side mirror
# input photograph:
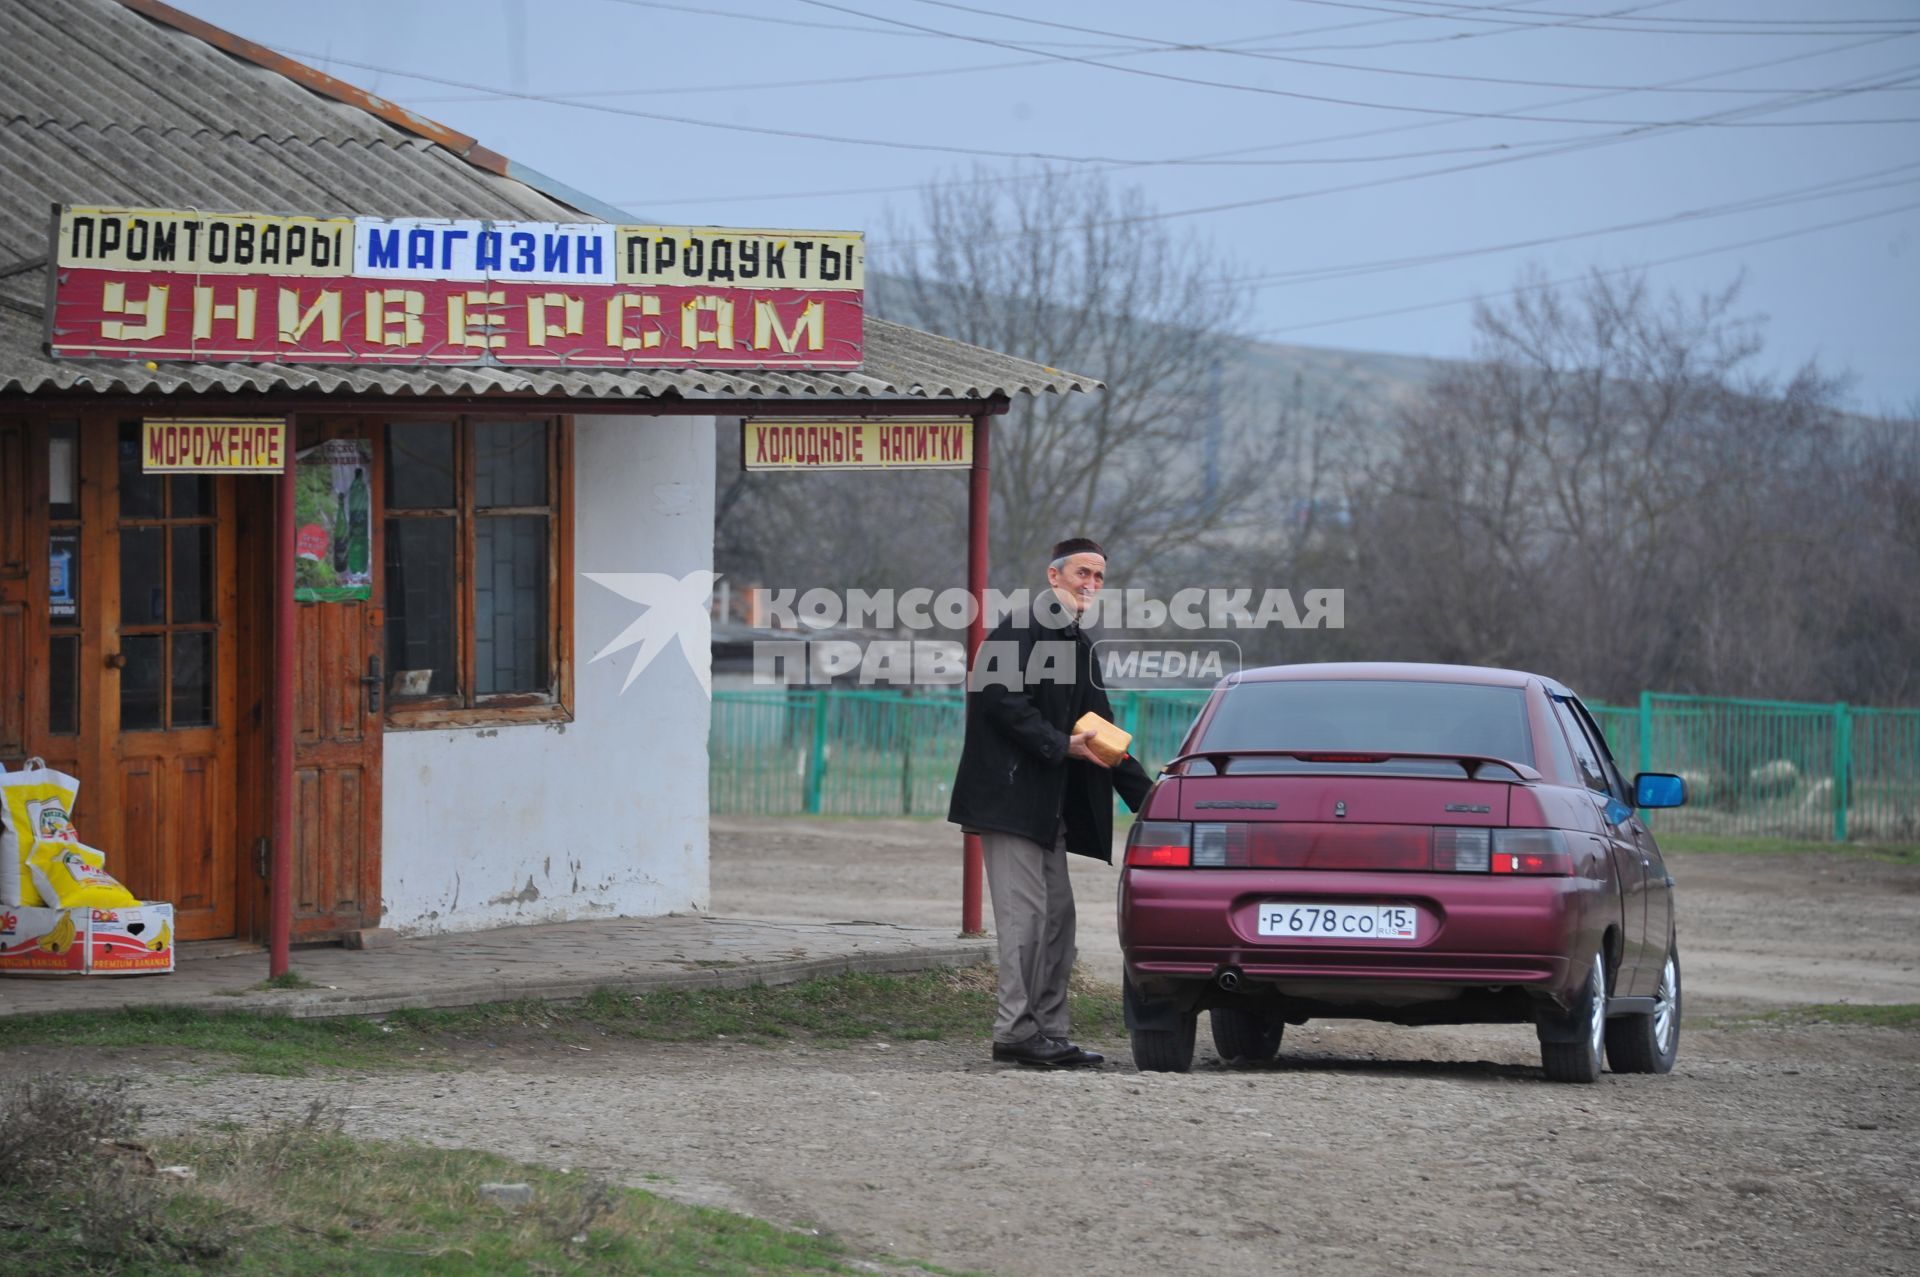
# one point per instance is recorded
(1659, 789)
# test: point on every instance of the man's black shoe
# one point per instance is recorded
(1038, 1050)
(1080, 1055)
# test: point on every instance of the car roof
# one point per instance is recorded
(1405, 671)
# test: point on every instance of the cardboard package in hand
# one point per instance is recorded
(1109, 743)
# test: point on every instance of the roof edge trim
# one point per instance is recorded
(467, 148)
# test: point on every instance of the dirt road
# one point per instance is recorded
(1366, 1149)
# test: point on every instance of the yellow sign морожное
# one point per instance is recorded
(917, 444)
(213, 445)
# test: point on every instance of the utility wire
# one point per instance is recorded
(1747, 27)
(1328, 99)
(1414, 126)
(1155, 46)
(1373, 183)
(1860, 184)
(1612, 270)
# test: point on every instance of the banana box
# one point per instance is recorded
(83, 941)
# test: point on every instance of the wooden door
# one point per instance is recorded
(164, 800)
(337, 739)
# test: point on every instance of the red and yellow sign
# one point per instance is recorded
(261, 288)
(213, 445)
(920, 443)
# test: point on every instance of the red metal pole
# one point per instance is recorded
(285, 640)
(973, 865)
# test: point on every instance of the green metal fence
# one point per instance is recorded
(1775, 769)
(784, 751)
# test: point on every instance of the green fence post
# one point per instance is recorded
(903, 723)
(1842, 768)
(817, 763)
(1646, 731)
(1130, 716)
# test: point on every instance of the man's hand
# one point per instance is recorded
(1080, 747)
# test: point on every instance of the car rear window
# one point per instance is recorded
(1377, 716)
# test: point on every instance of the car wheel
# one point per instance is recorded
(1579, 1060)
(1166, 1050)
(1246, 1036)
(1649, 1043)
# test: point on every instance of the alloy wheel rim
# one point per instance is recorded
(1597, 1013)
(1666, 999)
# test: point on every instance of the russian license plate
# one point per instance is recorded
(1340, 922)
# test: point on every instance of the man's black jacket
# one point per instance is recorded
(1033, 678)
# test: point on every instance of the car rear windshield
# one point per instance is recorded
(1383, 716)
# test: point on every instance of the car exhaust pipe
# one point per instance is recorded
(1228, 979)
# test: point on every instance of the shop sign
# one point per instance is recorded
(265, 288)
(919, 443)
(213, 445)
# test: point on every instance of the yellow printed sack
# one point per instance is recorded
(36, 803)
(69, 875)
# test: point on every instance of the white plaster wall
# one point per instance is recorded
(605, 816)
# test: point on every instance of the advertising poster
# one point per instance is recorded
(63, 576)
(333, 522)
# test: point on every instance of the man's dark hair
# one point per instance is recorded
(1077, 545)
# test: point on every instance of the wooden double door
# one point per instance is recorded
(136, 652)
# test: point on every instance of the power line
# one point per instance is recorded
(1614, 270)
(1598, 141)
(1860, 184)
(705, 11)
(1159, 47)
(1355, 135)
(1809, 26)
(1297, 95)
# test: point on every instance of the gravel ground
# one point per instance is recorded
(1770, 1149)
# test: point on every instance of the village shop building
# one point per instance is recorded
(459, 760)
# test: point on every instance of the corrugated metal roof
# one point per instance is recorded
(100, 105)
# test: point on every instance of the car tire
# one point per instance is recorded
(1580, 1060)
(1243, 1036)
(1650, 1043)
(1166, 1050)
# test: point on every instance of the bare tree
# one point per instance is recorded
(1065, 270)
(1609, 492)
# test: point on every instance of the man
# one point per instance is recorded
(1034, 792)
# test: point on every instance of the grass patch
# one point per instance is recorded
(300, 1197)
(288, 979)
(1717, 844)
(1892, 1015)
(274, 1044)
(837, 1010)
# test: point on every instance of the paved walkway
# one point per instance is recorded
(557, 960)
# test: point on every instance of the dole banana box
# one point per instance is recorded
(82, 941)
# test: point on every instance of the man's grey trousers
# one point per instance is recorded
(1033, 919)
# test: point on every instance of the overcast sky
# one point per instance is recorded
(1705, 140)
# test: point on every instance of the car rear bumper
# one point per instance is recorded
(1475, 931)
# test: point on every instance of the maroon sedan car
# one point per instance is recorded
(1421, 844)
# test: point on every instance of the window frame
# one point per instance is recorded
(464, 708)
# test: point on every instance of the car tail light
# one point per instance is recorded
(1220, 846)
(1460, 849)
(1531, 851)
(1470, 849)
(1160, 844)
